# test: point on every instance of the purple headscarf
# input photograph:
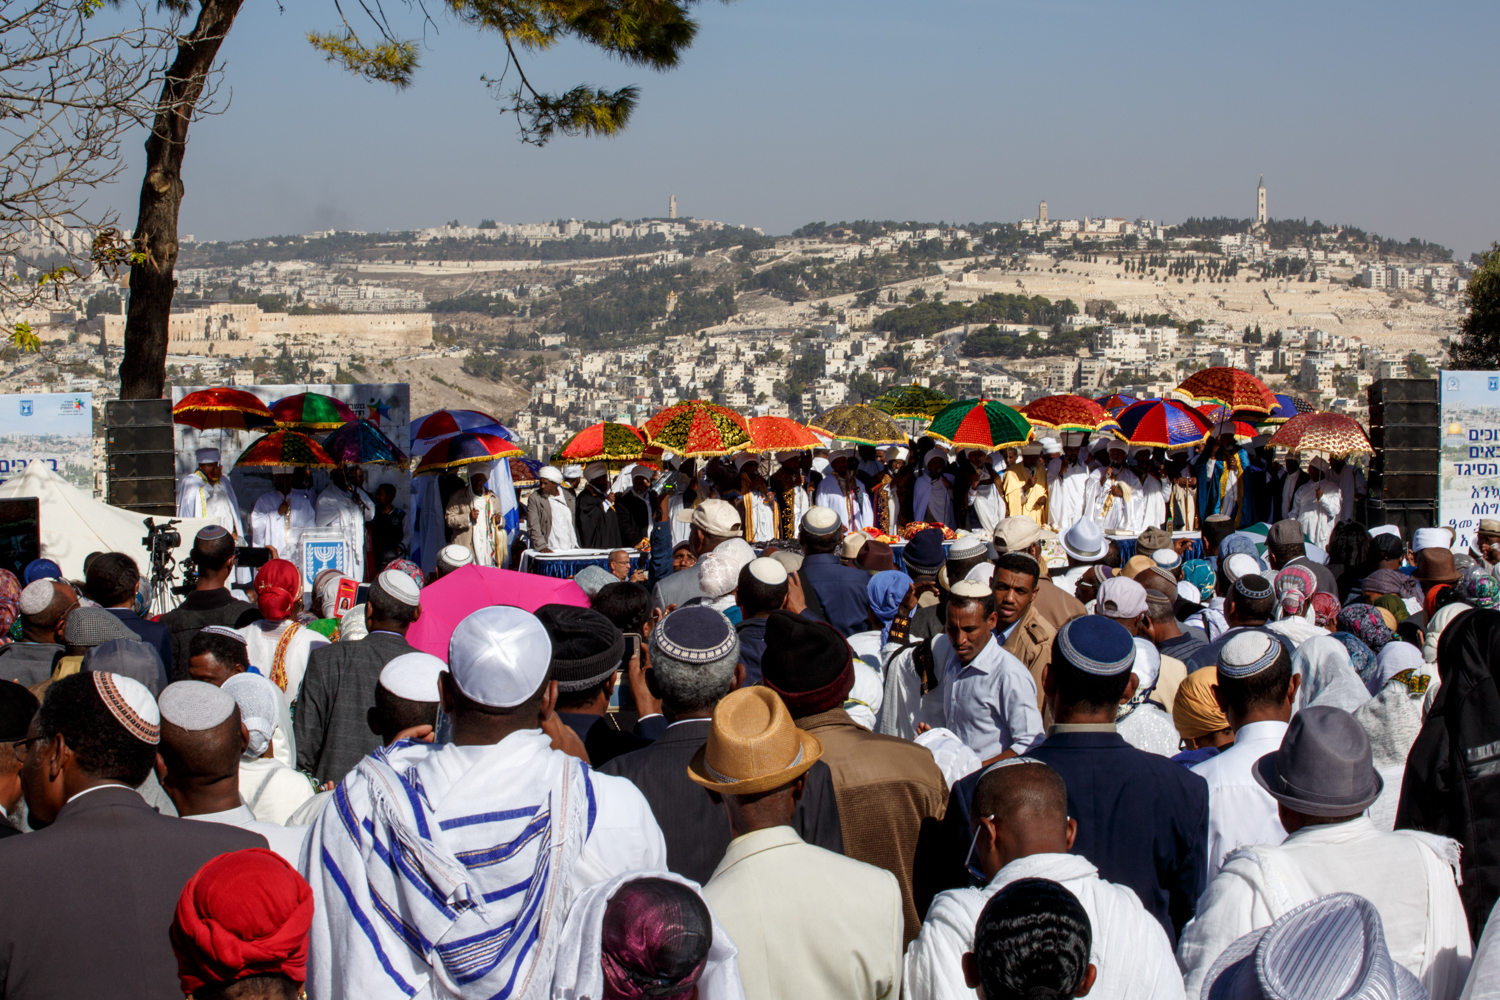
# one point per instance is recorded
(1364, 622)
(656, 937)
(1389, 581)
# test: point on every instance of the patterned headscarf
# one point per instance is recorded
(1201, 575)
(1360, 656)
(1325, 608)
(10, 603)
(1294, 586)
(1479, 589)
(656, 937)
(1365, 623)
(408, 567)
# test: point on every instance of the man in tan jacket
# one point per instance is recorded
(1022, 630)
(1052, 603)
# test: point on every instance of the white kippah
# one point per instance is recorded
(718, 574)
(36, 597)
(820, 521)
(130, 702)
(970, 589)
(499, 656)
(768, 571)
(983, 573)
(1247, 653)
(413, 676)
(195, 705)
(226, 632)
(455, 556)
(260, 709)
(400, 586)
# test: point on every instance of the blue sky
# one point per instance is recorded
(788, 111)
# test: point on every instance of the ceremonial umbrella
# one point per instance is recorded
(911, 402)
(1242, 424)
(223, 409)
(1067, 413)
(457, 595)
(525, 471)
(312, 411)
(980, 423)
(696, 429)
(860, 424)
(781, 434)
(1330, 433)
(285, 448)
(603, 442)
(1287, 407)
(466, 449)
(360, 442)
(1236, 389)
(446, 423)
(1115, 403)
(1162, 423)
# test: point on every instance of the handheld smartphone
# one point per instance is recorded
(632, 645)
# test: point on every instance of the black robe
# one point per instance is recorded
(598, 526)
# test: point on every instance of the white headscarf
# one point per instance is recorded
(580, 969)
(259, 710)
(1395, 657)
(1328, 676)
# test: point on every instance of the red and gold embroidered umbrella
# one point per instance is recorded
(1329, 433)
(980, 423)
(312, 411)
(781, 434)
(1068, 413)
(466, 449)
(222, 408)
(697, 429)
(602, 442)
(1234, 388)
(859, 424)
(285, 448)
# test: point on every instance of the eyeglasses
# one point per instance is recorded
(976, 872)
(22, 747)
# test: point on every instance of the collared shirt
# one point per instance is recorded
(990, 702)
(1240, 812)
(1081, 727)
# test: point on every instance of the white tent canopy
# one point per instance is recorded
(74, 524)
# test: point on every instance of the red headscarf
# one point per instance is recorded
(246, 913)
(277, 587)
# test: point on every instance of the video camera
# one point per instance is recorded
(162, 540)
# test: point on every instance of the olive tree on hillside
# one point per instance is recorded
(649, 33)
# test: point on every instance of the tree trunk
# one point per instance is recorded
(143, 372)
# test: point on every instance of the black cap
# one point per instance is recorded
(586, 646)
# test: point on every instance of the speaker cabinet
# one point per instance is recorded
(140, 457)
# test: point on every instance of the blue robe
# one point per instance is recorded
(1210, 498)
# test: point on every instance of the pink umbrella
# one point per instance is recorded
(464, 591)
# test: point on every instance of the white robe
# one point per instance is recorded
(989, 506)
(1120, 516)
(261, 640)
(761, 518)
(1129, 949)
(851, 505)
(1317, 517)
(1349, 482)
(197, 497)
(1402, 874)
(1149, 504)
(1065, 489)
(348, 513)
(932, 500)
(282, 532)
(272, 790)
(483, 534)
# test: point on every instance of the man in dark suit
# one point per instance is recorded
(1142, 820)
(694, 662)
(842, 590)
(598, 518)
(332, 728)
(635, 510)
(89, 897)
(112, 581)
(211, 603)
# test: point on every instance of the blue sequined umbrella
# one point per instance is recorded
(1162, 423)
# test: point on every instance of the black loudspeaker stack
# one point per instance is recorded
(138, 451)
(1405, 429)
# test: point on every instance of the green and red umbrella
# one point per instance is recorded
(1068, 413)
(1231, 387)
(603, 442)
(359, 442)
(980, 423)
(312, 411)
(696, 429)
(285, 448)
(466, 449)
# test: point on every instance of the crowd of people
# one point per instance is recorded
(1194, 748)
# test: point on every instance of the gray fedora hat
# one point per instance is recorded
(1332, 946)
(1324, 765)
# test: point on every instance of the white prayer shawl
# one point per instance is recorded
(580, 971)
(1149, 504)
(348, 512)
(1129, 950)
(272, 790)
(483, 535)
(282, 532)
(197, 497)
(1240, 812)
(1484, 974)
(1407, 875)
(1316, 517)
(989, 507)
(1065, 500)
(1098, 495)
(932, 500)
(902, 707)
(761, 517)
(438, 875)
(680, 529)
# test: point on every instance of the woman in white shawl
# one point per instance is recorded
(1328, 676)
(1316, 504)
(1393, 718)
(644, 934)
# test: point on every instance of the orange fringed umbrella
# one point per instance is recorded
(1233, 387)
(781, 434)
(696, 429)
(285, 448)
(222, 408)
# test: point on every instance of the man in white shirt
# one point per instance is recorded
(985, 695)
(1256, 692)
(1323, 779)
(843, 493)
(206, 492)
(502, 816)
(1022, 830)
(278, 517)
(1350, 483)
(345, 506)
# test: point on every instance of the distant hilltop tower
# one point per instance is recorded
(1260, 202)
(1041, 214)
(672, 208)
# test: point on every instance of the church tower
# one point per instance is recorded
(1041, 215)
(672, 209)
(1260, 202)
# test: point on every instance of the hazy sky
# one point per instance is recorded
(789, 111)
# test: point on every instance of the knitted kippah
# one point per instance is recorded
(821, 521)
(1254, 586)
(212, 533)
(36, 597)
(130, 702)
(768, 571)
(971, 589)
(1096, 645)
(195, 705)
(1247, 653)
(226, 632)
(400, 586)
(696, 634)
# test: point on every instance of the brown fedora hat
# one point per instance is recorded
(1435, 565)
(753, 745)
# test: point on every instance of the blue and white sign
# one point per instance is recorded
(52, 427)
(1469, 480)
(322, 548)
